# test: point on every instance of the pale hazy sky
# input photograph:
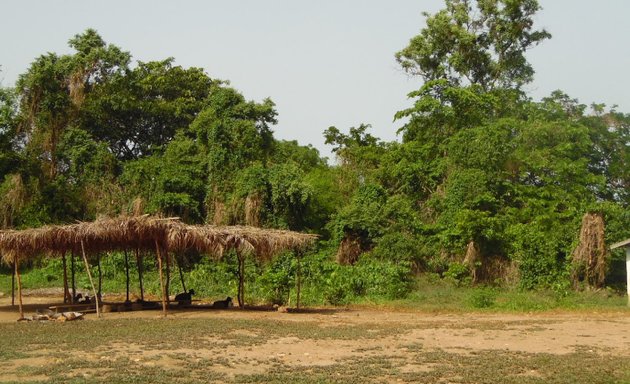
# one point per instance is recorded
(322, 62)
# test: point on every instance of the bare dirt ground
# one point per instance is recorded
(605, 334)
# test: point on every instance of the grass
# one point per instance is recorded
(441, 295)
(430, 293)
(196, 350)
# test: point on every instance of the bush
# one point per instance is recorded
(482, 297)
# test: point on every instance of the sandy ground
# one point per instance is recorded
(556, 333)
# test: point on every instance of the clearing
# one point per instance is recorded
(317, 346)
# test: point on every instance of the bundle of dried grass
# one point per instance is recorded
(349, 250)
(137, 206)
(218, 212)
(590, 256)
(472, 260)
(253, 204)
(13, 200)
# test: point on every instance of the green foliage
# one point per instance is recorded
(140, 110)
(481, 42)
(482, 298)
(481, 167)
(9, 158)
(368, 278)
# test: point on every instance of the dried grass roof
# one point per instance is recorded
(142, 232)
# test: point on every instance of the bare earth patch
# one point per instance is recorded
(389, 346)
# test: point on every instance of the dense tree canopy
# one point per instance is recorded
(486, 185)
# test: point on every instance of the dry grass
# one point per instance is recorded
(590, 256)
(143, 233)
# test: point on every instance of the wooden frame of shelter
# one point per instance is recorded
(147, 233)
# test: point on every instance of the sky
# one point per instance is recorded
(324, 63)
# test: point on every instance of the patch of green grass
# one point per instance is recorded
(438, 295)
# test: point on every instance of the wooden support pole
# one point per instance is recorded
(13, 286)
(87, 269)
(168, 278)
(181, 273)
(72, 271)
(100, 275)
(241, 279)
(139, 263)
(19, 286)
(66, 290)
(159, 257)
(127, 273)
(299, 278)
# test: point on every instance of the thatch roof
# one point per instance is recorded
(143, 232)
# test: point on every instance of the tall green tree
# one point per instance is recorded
(54, 88)
(480, 42)
(141, 109)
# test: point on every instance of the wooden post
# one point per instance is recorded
(299, 278)
(167, 286)
(181, 273)
(72, 271)
(19, 286)
(66, 290)
(241, 279)
(87, 269)
(13, 286)
(159, 257)
(127, 272)
(139, 264)
(100, 275)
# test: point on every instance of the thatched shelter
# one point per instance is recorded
(147, 233)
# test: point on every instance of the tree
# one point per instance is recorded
(479, 42)
(9, 158)
(234, 134)
(140, 110)
(54, 88)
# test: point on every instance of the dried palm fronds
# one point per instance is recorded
(143, 232)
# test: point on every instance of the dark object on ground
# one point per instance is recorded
(185, 298)
(227, 303)
(148, 304)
